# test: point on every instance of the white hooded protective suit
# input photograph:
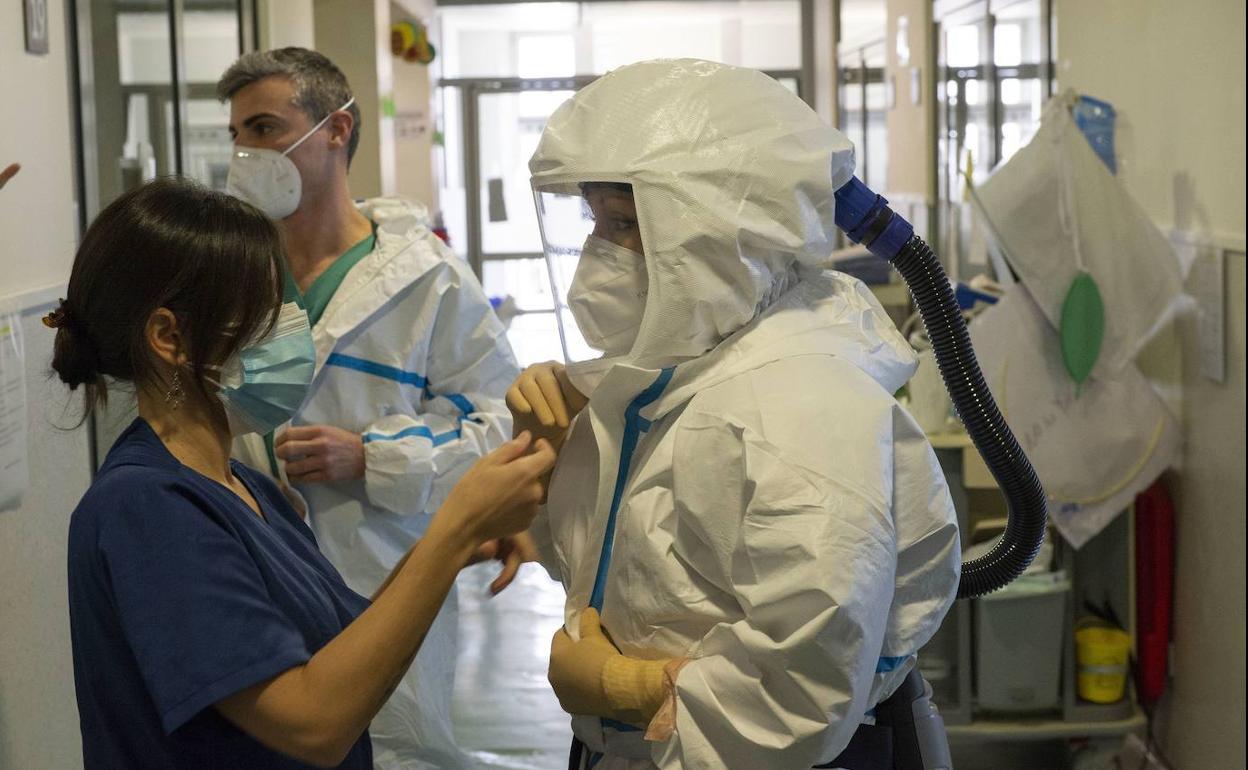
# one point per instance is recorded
(411, 356)
(778, 517)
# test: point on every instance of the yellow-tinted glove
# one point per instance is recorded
(543, 401)
(634, 688)
(591, 677)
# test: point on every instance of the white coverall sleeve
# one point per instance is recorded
(811, 563)
(929, 553)
(411, 461)
(544, 541)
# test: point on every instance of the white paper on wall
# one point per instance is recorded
(14, 473)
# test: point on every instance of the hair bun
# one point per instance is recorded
(73, 356)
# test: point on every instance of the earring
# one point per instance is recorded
(175, 395)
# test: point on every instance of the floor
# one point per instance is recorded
(505, 713)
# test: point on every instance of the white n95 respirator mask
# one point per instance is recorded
(264, 384)
(268, 179)
(607, 296)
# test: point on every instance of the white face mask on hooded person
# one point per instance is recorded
(268, 179)
(607, 296)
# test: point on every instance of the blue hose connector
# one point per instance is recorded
(866, 218)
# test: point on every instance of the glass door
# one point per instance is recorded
(874, 162)
(509, 118)
(862, 114)
(1021, 58)
(147, 73)
(212, 37)
(995, 73)
(967, 135)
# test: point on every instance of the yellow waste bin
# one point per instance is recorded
(1102, 654)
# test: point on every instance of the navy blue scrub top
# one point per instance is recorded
(179, 595)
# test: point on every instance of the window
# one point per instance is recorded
(995, 68)
(862, 91)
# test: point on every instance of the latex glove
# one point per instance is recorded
(543, 401)
(591, 677)
(319, 453)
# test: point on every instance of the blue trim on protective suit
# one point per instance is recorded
(461, 403)
(415, 430)
(634, 426)
(400, 376)
(377, 370)
(887, 664)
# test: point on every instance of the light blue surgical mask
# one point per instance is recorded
(264, 384)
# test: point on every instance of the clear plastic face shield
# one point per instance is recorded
(597, 267)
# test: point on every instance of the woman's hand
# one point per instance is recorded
(499, 495)
(543, 401)
(512, 552)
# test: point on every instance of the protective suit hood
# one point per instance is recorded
(826, 313)
(733, 179)
(400, 259)
(395, 215)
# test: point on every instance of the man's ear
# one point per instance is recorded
(341, 124)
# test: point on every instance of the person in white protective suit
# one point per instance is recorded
(762, 534)
(411, 364)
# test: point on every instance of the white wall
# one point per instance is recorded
(355, 35)
(1175, 74)
(38, 715)
(413, 105)
(286, 23)
(826, 24)
(911, 127)
(35, 132)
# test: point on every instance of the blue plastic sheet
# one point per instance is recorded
(1095, 119)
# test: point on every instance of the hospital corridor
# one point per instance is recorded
(622, 385)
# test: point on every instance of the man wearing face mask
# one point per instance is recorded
(411, 362)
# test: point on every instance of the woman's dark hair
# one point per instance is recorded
(212, 260)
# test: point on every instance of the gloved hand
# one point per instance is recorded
(591, 677)
(543, 401)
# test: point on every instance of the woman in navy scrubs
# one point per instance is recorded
(208, 630)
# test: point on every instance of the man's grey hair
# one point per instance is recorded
(320, 87)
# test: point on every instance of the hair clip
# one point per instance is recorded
(57, 318)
